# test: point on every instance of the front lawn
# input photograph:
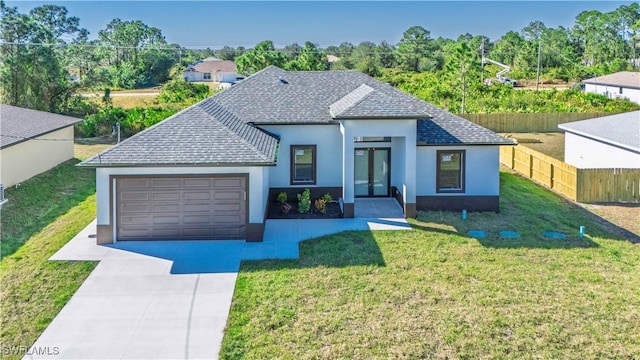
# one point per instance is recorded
(436, 292)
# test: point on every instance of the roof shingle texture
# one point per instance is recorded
(629, 79)
(213, 66)
(19, 124)
(620, 129)
(224, 129)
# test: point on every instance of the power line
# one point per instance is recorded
(33, 138)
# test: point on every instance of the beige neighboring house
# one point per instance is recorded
(212, 69)
(623, 84)
(32, 142)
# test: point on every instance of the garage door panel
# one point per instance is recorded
(166, 196)
(175, 208)
(129, 208)
(165, 183)
(196, 207)
(228, 195)
(197, 183)
(134, 195)
(197, 195)
(226, 207)
(133, 183)
(165, 220)
(229, 182)
(165, 208)
(135, 220)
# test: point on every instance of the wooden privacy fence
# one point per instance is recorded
(583, 185)
(528, 122)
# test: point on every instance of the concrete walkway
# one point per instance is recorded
(166, 299)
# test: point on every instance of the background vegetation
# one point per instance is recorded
(47, 59)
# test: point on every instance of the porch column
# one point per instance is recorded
(347, 171)
(409, 185)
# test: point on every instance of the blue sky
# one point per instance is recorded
(215, 24)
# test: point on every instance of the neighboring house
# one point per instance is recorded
(209, 171)
(624, 84)
(32, 142)
(332, 59)
(212, 69)
(604, 142)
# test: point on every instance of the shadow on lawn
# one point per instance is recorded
(348, 248)
(526, 240)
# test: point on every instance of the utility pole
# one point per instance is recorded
(538, 72)
(463, 86)
(482, 61)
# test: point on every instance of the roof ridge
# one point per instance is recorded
(356, 102)
(239, 121)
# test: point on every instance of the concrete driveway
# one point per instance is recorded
(166, 299)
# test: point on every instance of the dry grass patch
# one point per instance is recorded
(437, 293)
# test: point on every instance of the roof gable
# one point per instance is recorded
(621, 129)
(19, 124)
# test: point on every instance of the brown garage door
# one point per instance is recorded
(181, 208)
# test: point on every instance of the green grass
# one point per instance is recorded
(436, 293)
(40, 200)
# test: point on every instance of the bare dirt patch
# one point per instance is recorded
(626, 216)
(551, 144)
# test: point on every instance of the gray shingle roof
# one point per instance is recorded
(203, 134)
(224, 129)
(621, 130)
(307, 96)
(19, 124)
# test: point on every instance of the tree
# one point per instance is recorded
(463, 67)
(258, 58)
(310, 58)
(386, 55)
(414, 45)
(31, 69)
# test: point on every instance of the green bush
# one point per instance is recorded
(327, 198)
(282, 197)
(304, 201)
(321, 205)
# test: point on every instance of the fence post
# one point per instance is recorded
(551, 175)
(530, 166)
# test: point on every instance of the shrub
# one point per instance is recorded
(321, 205)
(327, 198)
(282, 197)
(304, 201)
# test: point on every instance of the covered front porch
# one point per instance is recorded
(379, 160)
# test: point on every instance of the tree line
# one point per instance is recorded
(46, 57)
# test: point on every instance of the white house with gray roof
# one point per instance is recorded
(604, 142)
(623, 84)
(209, 171)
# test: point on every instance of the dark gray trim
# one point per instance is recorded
(314, 165)
(421, 144)
(386, 117)
(348, 210)
(459, 203)
(463, 165)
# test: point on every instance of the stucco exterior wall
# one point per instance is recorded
(614, 91)
(328, 140)
(29, 158)
(258, 187)
(482, 170)
(586, 153)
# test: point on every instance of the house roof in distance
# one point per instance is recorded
(622, 130)
(628, 79)
(20, 124)
(212, 66)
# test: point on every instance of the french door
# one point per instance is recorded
(372, 171)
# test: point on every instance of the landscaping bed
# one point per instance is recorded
(333, 211)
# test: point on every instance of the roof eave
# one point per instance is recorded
(600, 139)
(610, 84)
(132, 165)
(383, 117)
(422, 143)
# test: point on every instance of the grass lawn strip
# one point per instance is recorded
(33, 290)
(435, 292)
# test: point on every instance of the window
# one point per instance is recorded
(621, 90)
(303, 164)
(207, 76)
(450, 171)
